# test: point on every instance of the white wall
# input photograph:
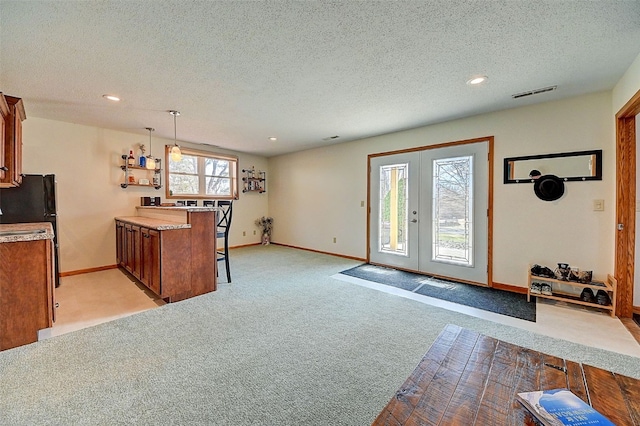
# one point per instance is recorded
(627, 86)
(316, 194)
(86, 161)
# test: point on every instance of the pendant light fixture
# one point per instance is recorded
(176, 154)
(151, 163)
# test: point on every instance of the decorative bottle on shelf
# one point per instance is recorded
(131, 160)
(156, 174)
(142, 161)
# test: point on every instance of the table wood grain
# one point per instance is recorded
(467, 378)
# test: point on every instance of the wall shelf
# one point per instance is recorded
(153, 175)
(254, 181)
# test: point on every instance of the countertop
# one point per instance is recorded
(27, 232)
(180, 208)
(152, 223)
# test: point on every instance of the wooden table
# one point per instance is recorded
(469, 379)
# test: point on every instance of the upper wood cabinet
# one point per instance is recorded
(4, 117)
(11, 160)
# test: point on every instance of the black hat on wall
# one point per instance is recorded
(548, 187)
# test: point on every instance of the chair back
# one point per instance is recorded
(225, 214)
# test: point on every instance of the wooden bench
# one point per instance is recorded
(470, 379)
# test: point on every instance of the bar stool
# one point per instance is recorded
(225, 210)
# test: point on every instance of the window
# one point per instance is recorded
(202, 174)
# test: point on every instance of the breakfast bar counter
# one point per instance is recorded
(171, 250)
(152, 223)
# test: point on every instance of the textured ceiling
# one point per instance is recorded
(242, 71)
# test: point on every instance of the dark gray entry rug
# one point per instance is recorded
(488, 299)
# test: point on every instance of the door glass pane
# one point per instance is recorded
(452, 212)
(392, 226)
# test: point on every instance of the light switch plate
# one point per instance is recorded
(598, 205)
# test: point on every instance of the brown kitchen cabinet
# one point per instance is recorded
(129, 248)
(120, 244)
(26, 291)
(163, 259)
(12, 149)
(150, 267)
(4, 116)
(135, 254)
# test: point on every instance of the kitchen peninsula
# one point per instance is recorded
(171, 250)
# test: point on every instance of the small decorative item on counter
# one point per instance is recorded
(266, 223)
(149, 201)
(131, 160)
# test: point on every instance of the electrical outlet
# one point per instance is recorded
(361, 203)
(334, 239)
(254, 232)
(244, 233)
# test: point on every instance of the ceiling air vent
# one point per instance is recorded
(534, 92)
(330, 138)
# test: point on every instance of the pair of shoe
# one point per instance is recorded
(601, 297)
(587, 295)
(541, 288)
(542, 271)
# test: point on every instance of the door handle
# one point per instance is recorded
(414, 220)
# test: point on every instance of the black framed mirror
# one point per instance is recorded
(569, 166)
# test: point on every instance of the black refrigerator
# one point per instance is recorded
(33, 201)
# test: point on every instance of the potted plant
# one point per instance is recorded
(266, 223)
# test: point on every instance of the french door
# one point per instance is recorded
(429, 211)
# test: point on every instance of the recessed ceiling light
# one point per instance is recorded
(273, 138)
(477, 80)
(111, 97)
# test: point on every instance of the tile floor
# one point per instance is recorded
(90, 299)
(574, 323)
